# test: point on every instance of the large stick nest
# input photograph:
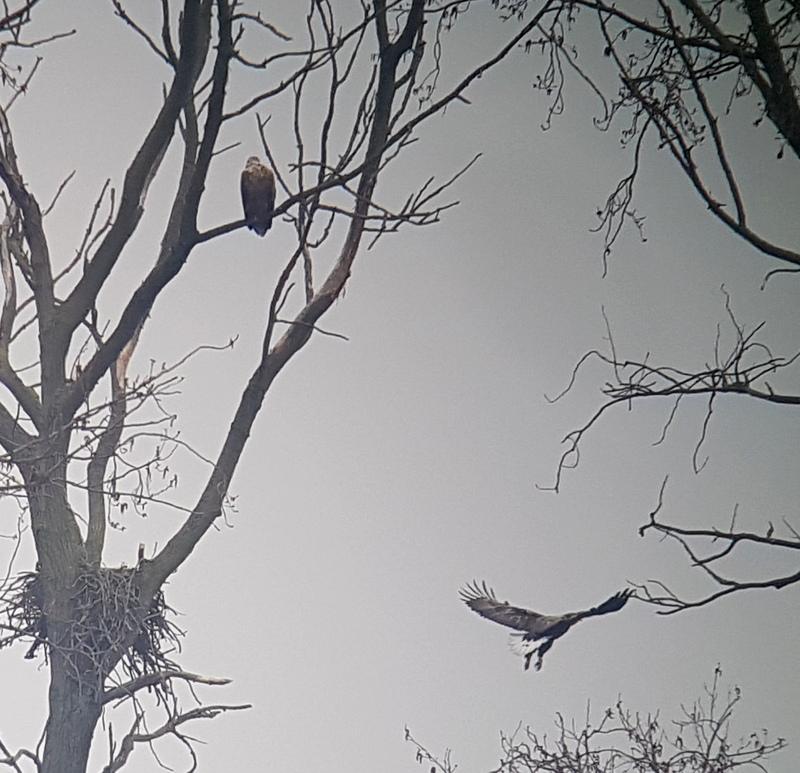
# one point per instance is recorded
(108, 627)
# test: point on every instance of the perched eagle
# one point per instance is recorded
(534, 627)
(258, 195)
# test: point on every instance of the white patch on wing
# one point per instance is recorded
(520, 645)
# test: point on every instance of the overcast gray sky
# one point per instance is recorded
(388, 470)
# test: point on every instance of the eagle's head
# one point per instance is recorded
(253, 161)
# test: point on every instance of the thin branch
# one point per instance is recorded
(657, 593)
(128, 689)
(12, 760)
(59, 191)
(170, 727)
(141, 32)
(195, 37)
(743, 371)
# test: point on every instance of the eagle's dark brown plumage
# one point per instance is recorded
(258, 195)
(533, 626)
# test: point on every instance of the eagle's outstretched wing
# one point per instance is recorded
(532, 626)
(481, 598)
(613, 604)
(258, 195)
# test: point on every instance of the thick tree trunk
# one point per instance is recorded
(73, 716)
(76, 677)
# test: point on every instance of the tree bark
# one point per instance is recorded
(72, 720)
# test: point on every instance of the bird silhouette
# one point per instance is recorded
(533, 627)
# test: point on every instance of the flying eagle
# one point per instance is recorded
(258, 195)
(534, 627)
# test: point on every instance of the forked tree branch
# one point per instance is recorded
(170, 727)
(25, 395)
(748, 369)
(181, 229)
(15, 18)
(31, 220)
(107, 447)
(194, 42)
(12, 760)
(716, 544)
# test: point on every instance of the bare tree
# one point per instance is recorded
(687, 73)
(68, 424)
(699, 741)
